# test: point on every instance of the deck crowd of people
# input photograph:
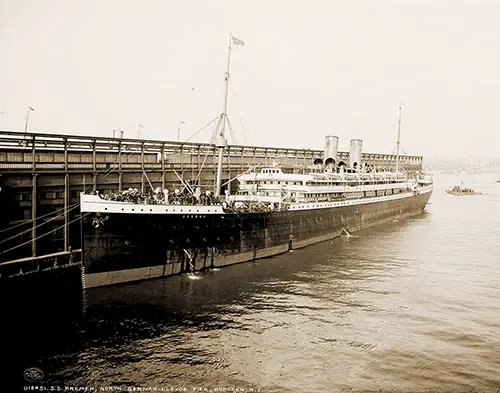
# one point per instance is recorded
(164, 197)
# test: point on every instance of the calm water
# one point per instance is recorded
(413, 306)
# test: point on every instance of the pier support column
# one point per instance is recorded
(94, 167)
(66, 212)
(120, 174)
(142, 168)
(229, 169)
(34, 198)
(66, 196)
(242, 160)
(162, 167)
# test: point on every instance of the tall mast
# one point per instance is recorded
(398, 143)
(220, 141)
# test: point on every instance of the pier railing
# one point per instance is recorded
(57, 151)
(38, 264)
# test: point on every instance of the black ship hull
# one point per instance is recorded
(132, 247)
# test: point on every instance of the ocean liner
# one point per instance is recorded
(129, 236)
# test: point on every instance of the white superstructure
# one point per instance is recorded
(273, 189)
(272, 185)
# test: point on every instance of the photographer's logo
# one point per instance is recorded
(33, 374)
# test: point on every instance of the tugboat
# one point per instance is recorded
(459, 190)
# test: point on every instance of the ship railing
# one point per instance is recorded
(173, 200)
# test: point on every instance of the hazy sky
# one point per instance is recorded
(308, 69)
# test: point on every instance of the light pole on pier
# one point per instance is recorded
(27, 118)
(398, 143)
(139, 126)
(179, 130)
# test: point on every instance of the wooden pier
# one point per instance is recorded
(45, 173)
(30, 265)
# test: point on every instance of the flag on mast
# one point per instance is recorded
(237, 41)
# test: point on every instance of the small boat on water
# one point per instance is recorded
(459, 190)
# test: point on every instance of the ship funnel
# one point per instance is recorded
(317, 161)
(117, 133)
(355, 153)
(331, 149)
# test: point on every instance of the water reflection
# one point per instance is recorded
(412, 305)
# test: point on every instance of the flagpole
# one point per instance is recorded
(224, 113)
(221, 142)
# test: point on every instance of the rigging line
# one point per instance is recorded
(197, 179)
(37, 218)
(45, 234)
(239, 112)
(201, 129)
(400, 148)
(39, 225)
(242, 173)
(216, 130)
(231, 131)
(244, 132)
(212, 140)
(117, 163)
(221, 105)
(214, 135)
(202, 164)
